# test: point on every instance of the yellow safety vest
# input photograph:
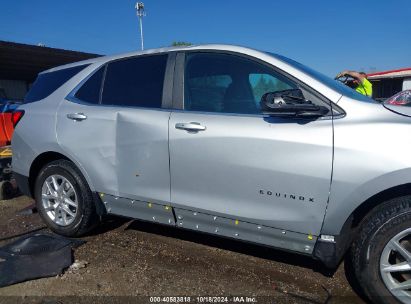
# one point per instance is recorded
(365, 88)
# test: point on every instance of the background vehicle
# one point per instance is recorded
(224, 140)
(401, 99)
(7, 107)
(6, 123)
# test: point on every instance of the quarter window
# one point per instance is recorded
(228, 83)
(135, 82)
(47, 83)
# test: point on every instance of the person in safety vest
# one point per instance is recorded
(360, 82)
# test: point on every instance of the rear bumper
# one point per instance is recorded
(23, 183)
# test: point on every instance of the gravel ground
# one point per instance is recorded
(132, 258)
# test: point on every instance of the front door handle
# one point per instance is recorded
(190, 126)
(77, 116)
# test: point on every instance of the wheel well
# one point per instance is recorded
(39, 162)
(332, 253)
(47, 157)
(365, 208)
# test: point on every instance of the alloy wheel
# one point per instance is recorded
(59, 200)
(395, 266)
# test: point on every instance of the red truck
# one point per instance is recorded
(8, 118)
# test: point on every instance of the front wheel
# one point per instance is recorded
(64, 200)
(382, 252)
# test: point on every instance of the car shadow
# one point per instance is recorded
(108, 224)
(256, 250)
(260, 251)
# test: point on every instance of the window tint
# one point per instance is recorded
(228, 83)
(263, 83)
(90, 90)
(135, 82)
(47, 83)
(207, 92)
(328, 81)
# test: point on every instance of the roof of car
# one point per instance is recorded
(222, 47)
(280, 62)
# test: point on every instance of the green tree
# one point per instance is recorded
(181, 43)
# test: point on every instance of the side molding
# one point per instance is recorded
(208, 223)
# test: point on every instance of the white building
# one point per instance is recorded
(388, 83)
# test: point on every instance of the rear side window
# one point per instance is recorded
(47, 83)
(90, 90)
(135, 82)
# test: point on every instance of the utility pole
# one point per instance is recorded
(140, 14)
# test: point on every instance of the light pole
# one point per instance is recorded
(140, 14)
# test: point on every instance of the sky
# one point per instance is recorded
(326, 35)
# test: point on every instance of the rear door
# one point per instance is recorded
(115, 126)
(228, 159)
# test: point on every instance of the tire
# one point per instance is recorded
(373, 250)
(85, 217)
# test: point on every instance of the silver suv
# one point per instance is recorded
(229, 141)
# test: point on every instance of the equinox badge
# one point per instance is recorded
(288, 196)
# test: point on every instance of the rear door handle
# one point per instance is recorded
(190, 126)
(77, 116)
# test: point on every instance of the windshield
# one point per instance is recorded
(328, 81)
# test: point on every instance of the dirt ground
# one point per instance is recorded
(131, 258)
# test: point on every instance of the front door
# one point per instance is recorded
(228, 159)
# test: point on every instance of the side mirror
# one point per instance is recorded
(290, 103)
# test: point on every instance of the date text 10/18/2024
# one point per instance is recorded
(204, 299)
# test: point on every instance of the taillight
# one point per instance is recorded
(16, 116)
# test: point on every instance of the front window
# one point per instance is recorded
(263, 83)
(328, 81)
(228, 83)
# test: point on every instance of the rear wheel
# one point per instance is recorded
(382, 253)
(64, 200)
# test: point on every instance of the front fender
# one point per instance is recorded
(339, 210)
